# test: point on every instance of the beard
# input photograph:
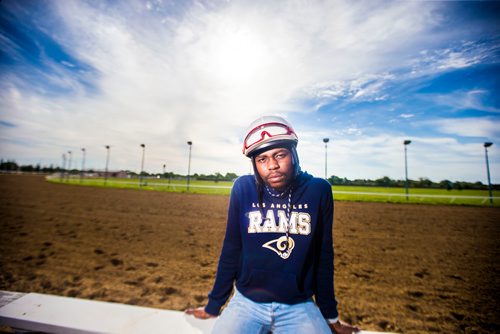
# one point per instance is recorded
(277, 180)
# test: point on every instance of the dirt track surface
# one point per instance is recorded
(402, 268)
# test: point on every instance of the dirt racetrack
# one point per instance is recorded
(402, 268)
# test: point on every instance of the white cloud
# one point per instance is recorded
(461, 100)
(382, 155)
(462, 54)
(468, 127)
(451, 59)
(204, 73)
(366, 87)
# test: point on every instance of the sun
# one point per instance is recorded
(237, 55)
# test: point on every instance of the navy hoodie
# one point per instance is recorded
(254, 253)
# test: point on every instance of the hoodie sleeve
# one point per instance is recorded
(325, 295)
(229, 258)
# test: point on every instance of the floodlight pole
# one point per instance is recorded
(63, 167)
(406, 142)
(69, 165)
(164, 166)
(486, 145)
(190, 143)
(326, 140)
(142, 165)
(107, 163)
(83, 165)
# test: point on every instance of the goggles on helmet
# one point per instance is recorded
(267, 133)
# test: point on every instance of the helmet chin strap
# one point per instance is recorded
(295, 162)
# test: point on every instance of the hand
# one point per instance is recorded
(341, 327)
(199, 313)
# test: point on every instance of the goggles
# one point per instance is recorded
(264, 132)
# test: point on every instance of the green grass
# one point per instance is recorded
(416, 195)
(195, 186)
(341, 193)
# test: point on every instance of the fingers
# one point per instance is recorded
(195, 311)
(343, 328)
(198, 312)
(189, 311)
(192, 310)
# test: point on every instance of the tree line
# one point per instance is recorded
(420, 183)
(216, 177)
(12, 166)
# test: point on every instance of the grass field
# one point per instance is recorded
(415, 195)
(197, 187)
(341, 193)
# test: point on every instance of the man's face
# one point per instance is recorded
(275, 167)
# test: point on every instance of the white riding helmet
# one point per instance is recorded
(268, 131)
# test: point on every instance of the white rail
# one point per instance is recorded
(413, 195)
(64, 315)
(452, 198)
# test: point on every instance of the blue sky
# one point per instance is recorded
(366, 74)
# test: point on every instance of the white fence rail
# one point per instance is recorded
(452, 198)
(64, 315)
(411, 195)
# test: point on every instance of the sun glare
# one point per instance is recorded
(237, 56)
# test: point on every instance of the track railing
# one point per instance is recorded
(411, 197)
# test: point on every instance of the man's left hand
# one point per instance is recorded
(341, 327)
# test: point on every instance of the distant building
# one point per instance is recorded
(118, 174)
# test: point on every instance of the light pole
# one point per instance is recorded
(63, 166)
(406, 142)
(326, 140)
(107, 163)
(142, 164)
(486, 145)
(83, 164)
(69, 164)
(190, 143)
(164, 166)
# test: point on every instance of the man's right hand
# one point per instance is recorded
(199, 313)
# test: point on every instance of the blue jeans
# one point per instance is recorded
(243, 315)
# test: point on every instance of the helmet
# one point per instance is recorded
(267, 132)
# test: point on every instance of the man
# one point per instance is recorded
(278, 248)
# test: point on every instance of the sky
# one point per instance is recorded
(365, 74)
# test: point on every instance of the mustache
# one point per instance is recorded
(275, 174)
